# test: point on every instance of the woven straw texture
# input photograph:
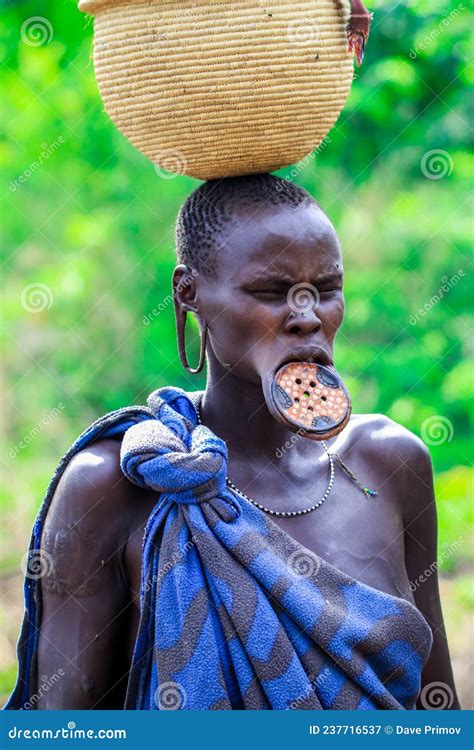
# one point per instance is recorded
(214, 89)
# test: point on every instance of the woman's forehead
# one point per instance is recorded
(271, 225)
(309, 265)
(280, 241)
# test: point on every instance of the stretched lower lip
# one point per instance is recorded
(318, 359)
(286, 390)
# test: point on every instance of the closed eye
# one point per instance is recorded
(268, 293)
(322, 292)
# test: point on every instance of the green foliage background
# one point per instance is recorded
(95, 224)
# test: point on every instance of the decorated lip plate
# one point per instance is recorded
(311, 398)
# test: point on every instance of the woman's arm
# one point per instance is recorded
(86, 610)
(438, 689)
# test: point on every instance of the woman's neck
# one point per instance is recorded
(236, 411)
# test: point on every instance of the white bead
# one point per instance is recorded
(290, 513)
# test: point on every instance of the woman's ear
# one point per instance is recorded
(184, 299)
(184, 289)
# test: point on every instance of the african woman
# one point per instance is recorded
(193, 562)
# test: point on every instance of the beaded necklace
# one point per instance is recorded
(290, 513)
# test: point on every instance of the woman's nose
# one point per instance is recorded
(302, 323)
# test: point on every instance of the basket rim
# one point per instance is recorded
(93, 6)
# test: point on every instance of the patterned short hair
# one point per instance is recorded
(212, 206)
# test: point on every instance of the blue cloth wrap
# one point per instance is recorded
(235, 614)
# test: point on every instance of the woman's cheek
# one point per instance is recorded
(332, 314)
(229, 333)
(238, 337)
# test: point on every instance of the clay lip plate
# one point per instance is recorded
(311, 397)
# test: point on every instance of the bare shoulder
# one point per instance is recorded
(96, 471)
(380, 436)
(92, 512)
(92, 487)
(399, 456)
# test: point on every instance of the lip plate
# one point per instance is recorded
(310, 432)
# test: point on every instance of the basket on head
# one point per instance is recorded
(215, 88)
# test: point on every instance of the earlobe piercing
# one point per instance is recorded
(182, 346)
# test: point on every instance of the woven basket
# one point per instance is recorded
(214, 88)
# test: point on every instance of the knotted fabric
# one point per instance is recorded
(235, 614)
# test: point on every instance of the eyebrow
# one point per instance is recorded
(274, 278)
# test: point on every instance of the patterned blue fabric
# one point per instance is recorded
(235, 614)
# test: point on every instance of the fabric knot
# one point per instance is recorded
(153, 456)
(172, 454)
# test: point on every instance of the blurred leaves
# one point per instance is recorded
(93, 222)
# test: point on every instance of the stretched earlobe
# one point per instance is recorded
(181, 317)
(184, 298)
